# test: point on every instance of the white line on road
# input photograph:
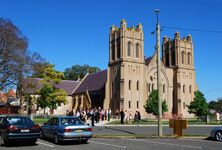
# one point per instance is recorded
(124, 147)
(45, 144)
(179, 145)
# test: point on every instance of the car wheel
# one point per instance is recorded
(32, 142)
(84, 141)
(41, 135)
(218, 136)
(56, 139)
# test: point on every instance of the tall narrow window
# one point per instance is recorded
(129, 49)
(137, 86)
(137, 104)
(137, 50)
(149, 87)
(129, 84)
(129, 104)
(184, 89)
(189, 58)
(118, 49)
(190, 89)
(182, 57)
(152, 87)
(113, 50)
(164, 88)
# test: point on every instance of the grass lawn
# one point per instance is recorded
(165, 122)
(40, 120)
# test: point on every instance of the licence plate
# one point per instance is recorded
(25, 131)
(78, 130)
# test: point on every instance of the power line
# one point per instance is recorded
(192, 29)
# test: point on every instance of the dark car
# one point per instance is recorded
(18, 128)
(66, 128)
(216, 133)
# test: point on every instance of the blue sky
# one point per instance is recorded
(68, 32)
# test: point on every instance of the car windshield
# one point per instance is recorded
(19, 121)
(71, 121)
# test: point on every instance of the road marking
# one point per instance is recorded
(170, 144)
(124, 147)
(45, 144)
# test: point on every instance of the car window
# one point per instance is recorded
(15, 120)
(50, 122)
(56, 121)
(29, 121)
(1, 120)
(71, 121)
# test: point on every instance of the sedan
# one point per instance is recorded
(66, 128)
(216, 133)
(18, 128)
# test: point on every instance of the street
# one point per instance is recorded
(121, 144)
(150, 130)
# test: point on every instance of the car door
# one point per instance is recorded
(53, 127)
(46, 128)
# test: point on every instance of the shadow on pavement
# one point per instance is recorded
(120, 130)
(63, 143)
(19, 144)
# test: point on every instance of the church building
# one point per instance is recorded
(131, 76)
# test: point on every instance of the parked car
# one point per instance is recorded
(216, 133)
(66, 128)
(18, 128)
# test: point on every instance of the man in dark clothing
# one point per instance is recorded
(122, 116)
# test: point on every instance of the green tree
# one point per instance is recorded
(50, 96)
(198, 106)
(216, 105)
(151, 105)
(78, 71)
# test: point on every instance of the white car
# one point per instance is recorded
(216, 133)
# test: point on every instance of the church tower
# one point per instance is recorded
(126, 68)
(178, 54)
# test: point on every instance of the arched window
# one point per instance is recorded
(183, 88)
(183, 57)
(137, 86)
(129, 84)
(164, 88)
(137, 50)
(152, 87)
(190, 89)
(189, 58)
(129, 49)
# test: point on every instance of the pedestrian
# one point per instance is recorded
(108, 114)
(218, 117)
(92, 115)
(121, 116)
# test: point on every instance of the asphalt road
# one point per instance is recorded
(149, 130)
(122, 144)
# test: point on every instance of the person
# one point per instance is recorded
(117, 114)
(218, 117)
(92, 115)
(121, 116)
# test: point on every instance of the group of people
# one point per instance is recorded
(95, 115)
(126, 116)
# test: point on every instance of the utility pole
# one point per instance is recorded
(160, 132)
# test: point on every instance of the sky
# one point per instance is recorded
(69, 32)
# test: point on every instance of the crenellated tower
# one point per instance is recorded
(178, 54)
(126, 67)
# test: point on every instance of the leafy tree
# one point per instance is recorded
(78, 71)
(216, 105)
(198, 106)
(50, 96)
(151, 105)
